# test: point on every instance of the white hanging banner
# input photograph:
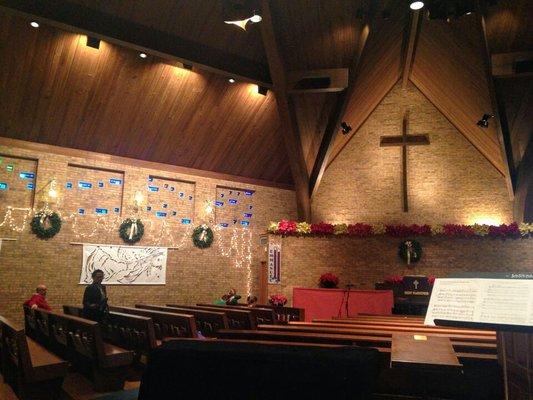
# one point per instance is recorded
(125, 265)
(274, 263)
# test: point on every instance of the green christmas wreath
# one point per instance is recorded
(410, 251)
(202, 236)
(43, 218)
(131, 230)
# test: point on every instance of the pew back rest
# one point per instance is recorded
(238, 318)
(14, 346)
(82, 334)
(260, 315)
(76, 311)
(130, 331)
(165, 324)
(36, 324)
(286, 314)
(207, 322)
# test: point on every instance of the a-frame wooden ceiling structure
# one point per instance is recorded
(56, 90)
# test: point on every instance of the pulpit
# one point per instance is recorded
(411, 294)
(329, 303)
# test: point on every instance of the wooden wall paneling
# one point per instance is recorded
(509, 26)
(287, 113)
(449, 70)
(200, 21)
(378, 72)
(148, 38)
(56, 90)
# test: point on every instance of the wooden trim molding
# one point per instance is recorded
(90, 155)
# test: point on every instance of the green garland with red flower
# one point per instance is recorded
(323, 229)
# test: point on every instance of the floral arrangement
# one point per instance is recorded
(277, 300)
(328, 280)
(510, 231)
(394, 280)
(431, 280)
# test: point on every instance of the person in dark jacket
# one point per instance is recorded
(95, 298)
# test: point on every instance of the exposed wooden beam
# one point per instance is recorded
(524, 183)
(112, 29)
(410, 48)
(335, 117)
(287, 114)
(502, 128)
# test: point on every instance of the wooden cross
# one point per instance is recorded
(404, 140)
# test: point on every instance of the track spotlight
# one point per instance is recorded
(93, 42)
(34, 24)
(187, 66)
(231, 80)
(262, 90)
(484, 121)
(416, 5)
(143, 55)
(345, 128)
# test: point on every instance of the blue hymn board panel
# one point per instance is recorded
(81, 211)
(160, 214)
(85, 185)
(4, 186)
(30, 186)
(185, 221)
(115, 182)
(101, 211)
(153, 188)
(26, 175)
(69, 185)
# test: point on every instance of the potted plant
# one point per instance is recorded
(328, 280)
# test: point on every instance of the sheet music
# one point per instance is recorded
(496, 301)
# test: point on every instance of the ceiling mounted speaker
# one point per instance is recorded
(321, 80)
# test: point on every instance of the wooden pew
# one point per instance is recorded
(238, 318)
(261, 315)
(314, 328)
(286, 314)
(31, 370)
(166, 325)
(481, 351)
(132, 332)
(81, 342)
(418, 329)
(207, 322)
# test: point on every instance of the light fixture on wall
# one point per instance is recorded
(52, 191)
(138, 200)
(345, 128)
(484, 121)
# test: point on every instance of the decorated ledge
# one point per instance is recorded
(322, 229)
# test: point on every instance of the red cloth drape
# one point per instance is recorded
(326, 303)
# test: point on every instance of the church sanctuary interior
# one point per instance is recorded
(266, 199)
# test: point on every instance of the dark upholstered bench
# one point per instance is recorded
(213, 369)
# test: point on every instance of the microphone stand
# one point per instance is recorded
(349, 287)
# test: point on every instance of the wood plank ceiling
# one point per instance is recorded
(55, 90)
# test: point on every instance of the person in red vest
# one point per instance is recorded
(38, 299)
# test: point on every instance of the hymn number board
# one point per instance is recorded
(17, 181)
(170, 199)
(93, 192)
(234, 207)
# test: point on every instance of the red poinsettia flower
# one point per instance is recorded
(360, 230)
(504, 231)
(277, 300)
(286, 227)
(394, 279)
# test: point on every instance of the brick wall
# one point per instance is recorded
(448, 181)
(193, 275)
(363, 262)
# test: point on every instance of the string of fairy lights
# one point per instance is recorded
(234, 243)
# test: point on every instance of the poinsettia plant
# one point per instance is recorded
(328, 280)
(394, 279)
(277, 300)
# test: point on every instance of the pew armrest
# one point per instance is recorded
(115, 356)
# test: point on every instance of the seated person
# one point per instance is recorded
(38, 299)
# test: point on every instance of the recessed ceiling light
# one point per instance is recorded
(256, 18)
(416, 5)
(231, 80)
(142, 55)
(34, 24)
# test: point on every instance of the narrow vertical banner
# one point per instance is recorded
(274, 263)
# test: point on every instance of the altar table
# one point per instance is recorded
(326, 303)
